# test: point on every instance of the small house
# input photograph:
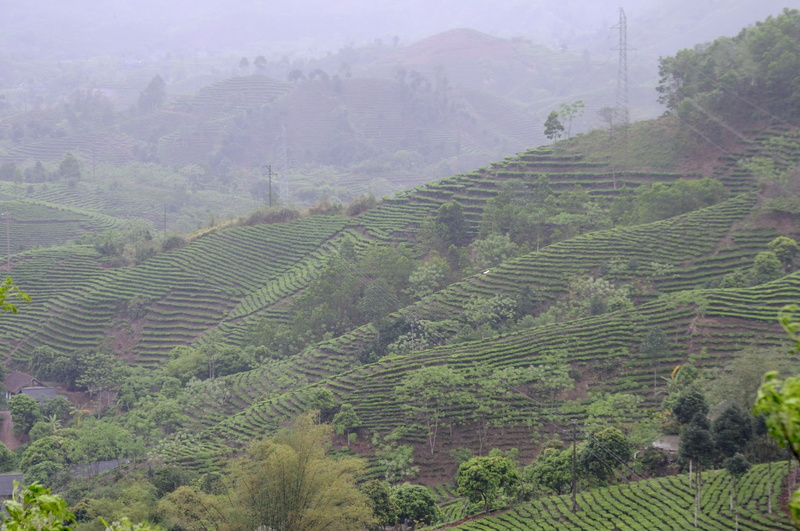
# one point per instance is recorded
(20, 383)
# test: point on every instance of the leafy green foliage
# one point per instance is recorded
(8, 460)
(759, 65)
(777, 401)
(429, 277)
(384, 506)
(531, 212)
(553, 128)
(697, 444)
(69, 169)
(732, 430)
(602, 453)
(448, 228)
(493, 249)
(287, 484)
(415, 504)
(689, 404)
(662, 201)
(655, 344)
(33, 507)
(785, 250)
(552, 469)
(7, 290)
(568, 111)
(346, 419)
(587, 296)
(430, 395)
(397, 461)
(486, 478)
(24, 413)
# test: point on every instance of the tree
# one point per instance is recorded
(688, 405)
(153, 95)
(552, 470)
(486, 478)
(662, 201)
(346, 419)
(428, 277)
(260, 63)
(785, 249)
(384, 507)
(570, 111)
(24, 413)
(170, 478)
(189, 508)
(732, 430)
(288, 483)
(739, 381)
(57, 409)
(766, 267)
(321, 398)
(758, 66)
(430, 395)
(602, 453)
(53, 448)
(186, 363)
(553, 128)
(446, 229)
(397, 461)
(736, 466)
(8, 461)
(8, 171)
(655, 344)
(415, 504)
(492, 250)
(7, 290)
(101, 441)
(697, 446)
(69, 169)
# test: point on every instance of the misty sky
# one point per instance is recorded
(87, 28)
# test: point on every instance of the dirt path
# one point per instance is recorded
(7, 431)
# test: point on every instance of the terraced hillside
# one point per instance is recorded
(235, 295)
(231, 278)
(133, 201)
(708, 325)
(663, 503)
(32, 224)
(232, 283)
(186, 291)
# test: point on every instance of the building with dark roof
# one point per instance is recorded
(20, 383)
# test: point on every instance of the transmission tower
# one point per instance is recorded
(621, 109)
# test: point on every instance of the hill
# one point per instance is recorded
(601, 281)
(264, 278)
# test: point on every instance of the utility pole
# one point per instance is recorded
(574, 434)
(268, 169)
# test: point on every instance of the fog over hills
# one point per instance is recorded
(66, 30)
